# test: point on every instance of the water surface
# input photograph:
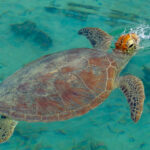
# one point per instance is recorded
(54, 27)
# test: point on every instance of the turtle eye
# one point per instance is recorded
(130, 45)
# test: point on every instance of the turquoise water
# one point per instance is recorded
(108, 127)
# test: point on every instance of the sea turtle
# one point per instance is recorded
(67, 84)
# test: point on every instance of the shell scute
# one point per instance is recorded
(99, 61)
(33, 118)
(110, 84)
(46, 105)
(94, 82)
(111, 73)
(66, 115)
(18, 115)
(54, 117)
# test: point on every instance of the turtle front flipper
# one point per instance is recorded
(98, 38)
(133, 89)
(7, 127)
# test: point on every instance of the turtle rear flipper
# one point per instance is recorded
(133, 89)
(7, 127)
(98, 38)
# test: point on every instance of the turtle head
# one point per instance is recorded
(127, 43)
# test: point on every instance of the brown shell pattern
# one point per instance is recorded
(58, 86)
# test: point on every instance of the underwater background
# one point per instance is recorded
(30, 29)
